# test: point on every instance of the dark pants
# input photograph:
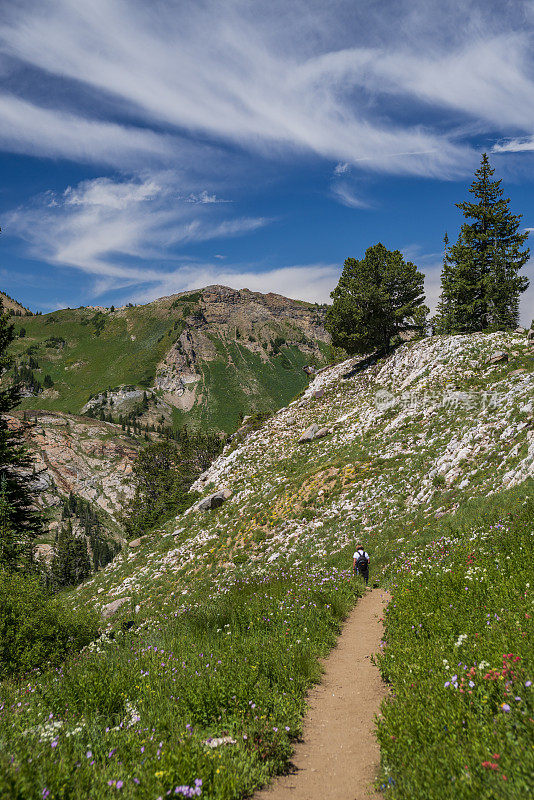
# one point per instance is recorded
(364, 574)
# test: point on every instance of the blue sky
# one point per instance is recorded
(152, 147)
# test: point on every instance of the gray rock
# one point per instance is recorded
(309, 433)
(112, 608)
(136, 542)
(213, 500)
(318, 394)
(530, 335)
(520, 329)
(498, 356)
(313, 432)
(290, 421)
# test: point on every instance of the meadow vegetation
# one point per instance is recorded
(459, 658)
(204, 702)
(36, 627)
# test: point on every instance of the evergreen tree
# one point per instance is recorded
(376, 298)
(71, 563)
(481, 284)
(19, 523)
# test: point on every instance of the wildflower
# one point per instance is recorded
(505, 707)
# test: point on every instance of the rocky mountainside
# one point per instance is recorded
(370, 451)
(14, 307)
(203, 358)
(87, 458)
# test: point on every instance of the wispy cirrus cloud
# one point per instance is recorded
(235, 76)
(190, 95)
(523, 144)
(35, 130)
(111, 228)
(344, 194)
(274, 79)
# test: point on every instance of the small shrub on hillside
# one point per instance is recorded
(35, 627)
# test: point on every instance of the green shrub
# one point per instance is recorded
(35, 627)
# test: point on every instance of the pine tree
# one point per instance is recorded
(20, 522)
(481, 284)
(376, 299)
(71, 563)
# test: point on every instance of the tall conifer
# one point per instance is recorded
(481, 284)
(20, 523)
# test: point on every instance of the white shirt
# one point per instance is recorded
(358, 553)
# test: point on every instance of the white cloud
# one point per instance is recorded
(204, 198)
(114, 228)
(241, 77)
(341, 168)
(346, 196)
(31, 129)
(519, 145)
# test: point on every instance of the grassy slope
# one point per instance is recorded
(93, 359)
(243, 585)
(382, 473)
(89, 363)
(460, 660)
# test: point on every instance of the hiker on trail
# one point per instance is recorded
(361, 563)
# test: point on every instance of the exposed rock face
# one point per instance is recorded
(76, 454)
(416, 434)
(124, 399)
(249, 318)
(202, 358)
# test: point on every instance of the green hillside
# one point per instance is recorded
(87, 351)
(197, 686)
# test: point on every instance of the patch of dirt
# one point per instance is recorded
(339, 754)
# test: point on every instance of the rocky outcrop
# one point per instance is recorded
(111, 608)
(313, 432)
(412, 436)
(90, 458)
(498, 356)
(214, 500)
(250, 319)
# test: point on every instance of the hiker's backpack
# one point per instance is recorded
(362, 563)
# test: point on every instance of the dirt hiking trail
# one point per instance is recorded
(339, 754)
